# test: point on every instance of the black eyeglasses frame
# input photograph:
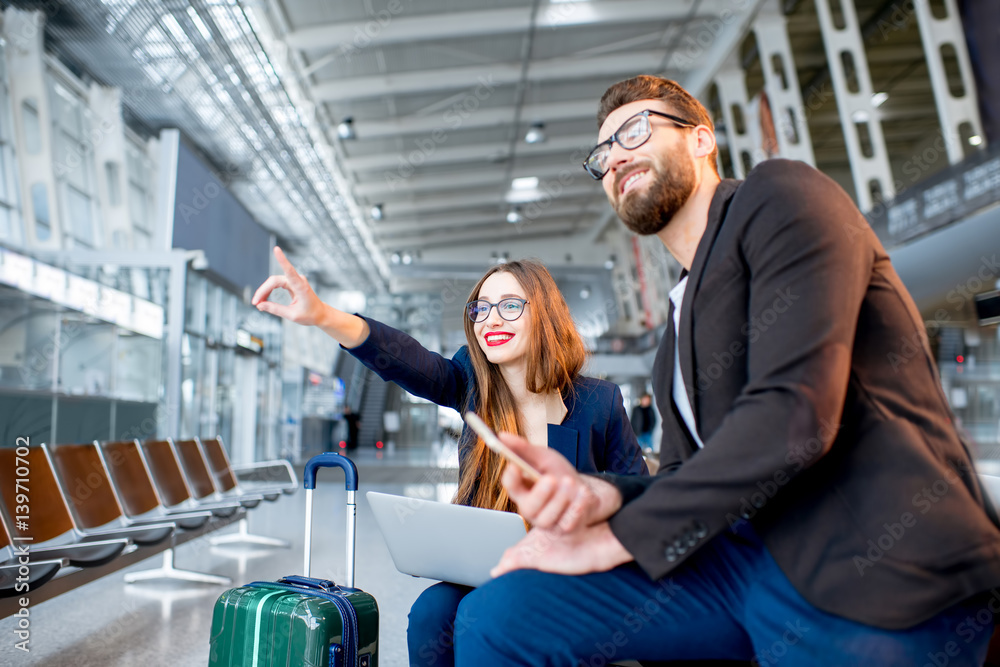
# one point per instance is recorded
(677, 120)
(524, 302)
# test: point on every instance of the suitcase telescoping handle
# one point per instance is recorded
(333, 460)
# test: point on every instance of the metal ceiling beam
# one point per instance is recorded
(424, 124)
(386, 28)
(377, 188)
(485, 199)
(482, 80)
(401, 165)
(450, 221)
(499, 233)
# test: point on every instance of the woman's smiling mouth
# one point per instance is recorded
(498, 338)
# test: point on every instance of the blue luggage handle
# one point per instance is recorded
(332, 460)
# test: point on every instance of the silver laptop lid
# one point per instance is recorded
(443, 541)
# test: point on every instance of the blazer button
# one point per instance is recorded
(682, 549)
(690, 539)
(701, 530)
(745, 515)
(678, 543)
(671, 554)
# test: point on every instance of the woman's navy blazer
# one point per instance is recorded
(595, 435)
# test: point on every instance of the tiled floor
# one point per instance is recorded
(109, 623)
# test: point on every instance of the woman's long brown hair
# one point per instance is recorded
(555, 357)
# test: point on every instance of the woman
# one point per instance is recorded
(520, 372)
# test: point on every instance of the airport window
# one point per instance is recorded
(40, 205)
(140, 174)
(112, 172)
(32, 127)
(78, 215)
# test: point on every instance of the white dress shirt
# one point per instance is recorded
(679, 392)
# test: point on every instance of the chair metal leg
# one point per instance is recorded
(244, 536)
(168, 571)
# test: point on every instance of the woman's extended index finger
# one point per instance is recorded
(286, 266)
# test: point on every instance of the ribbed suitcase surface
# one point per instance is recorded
(300, 621)
(267, 624)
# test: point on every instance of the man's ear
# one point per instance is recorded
(706, 141)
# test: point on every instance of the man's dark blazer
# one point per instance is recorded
(824, 422)
(595, 435)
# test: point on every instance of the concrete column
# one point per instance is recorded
(111, 166)
(731, 84)
(852, 85)
(959, 115)
(781, 82)
(32, 118)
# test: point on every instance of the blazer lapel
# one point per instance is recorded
(716, 214)
(675, 431)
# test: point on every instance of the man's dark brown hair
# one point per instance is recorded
(647, 87)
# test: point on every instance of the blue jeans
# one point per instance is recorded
(434, 623)
(645, 440)
(729, 602)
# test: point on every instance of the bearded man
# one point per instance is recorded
(814, 504)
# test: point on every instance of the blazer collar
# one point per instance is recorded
(716, 214)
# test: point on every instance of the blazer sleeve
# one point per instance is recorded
(622, 454)
(799, 236)
(397, 357)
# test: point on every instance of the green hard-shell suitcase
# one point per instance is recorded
(300, 620)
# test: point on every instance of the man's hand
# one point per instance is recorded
(590, 549)
(562, 499)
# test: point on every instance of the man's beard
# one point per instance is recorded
(648, 212)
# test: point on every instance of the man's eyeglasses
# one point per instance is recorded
(633, 133)
(509, 309)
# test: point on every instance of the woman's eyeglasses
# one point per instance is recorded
(509, 309)
(633, 133)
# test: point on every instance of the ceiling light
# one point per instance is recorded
(585, 292)
(609, 264)
(346, 129)
(524, 183)
(395, 258)
(377, 212)
(859, 116)
(878, 99)
(407, 258)
(536, 134)
(975, 140)
(514, 216)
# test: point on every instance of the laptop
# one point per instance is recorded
(443, 541)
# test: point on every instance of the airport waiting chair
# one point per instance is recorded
(195, 465)
(199, 478)
(133, 484)
(261, 477)
(12, 574)
(84, 481)
(43, 472)
(49, 525)
(166, 472)
(100, 506)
